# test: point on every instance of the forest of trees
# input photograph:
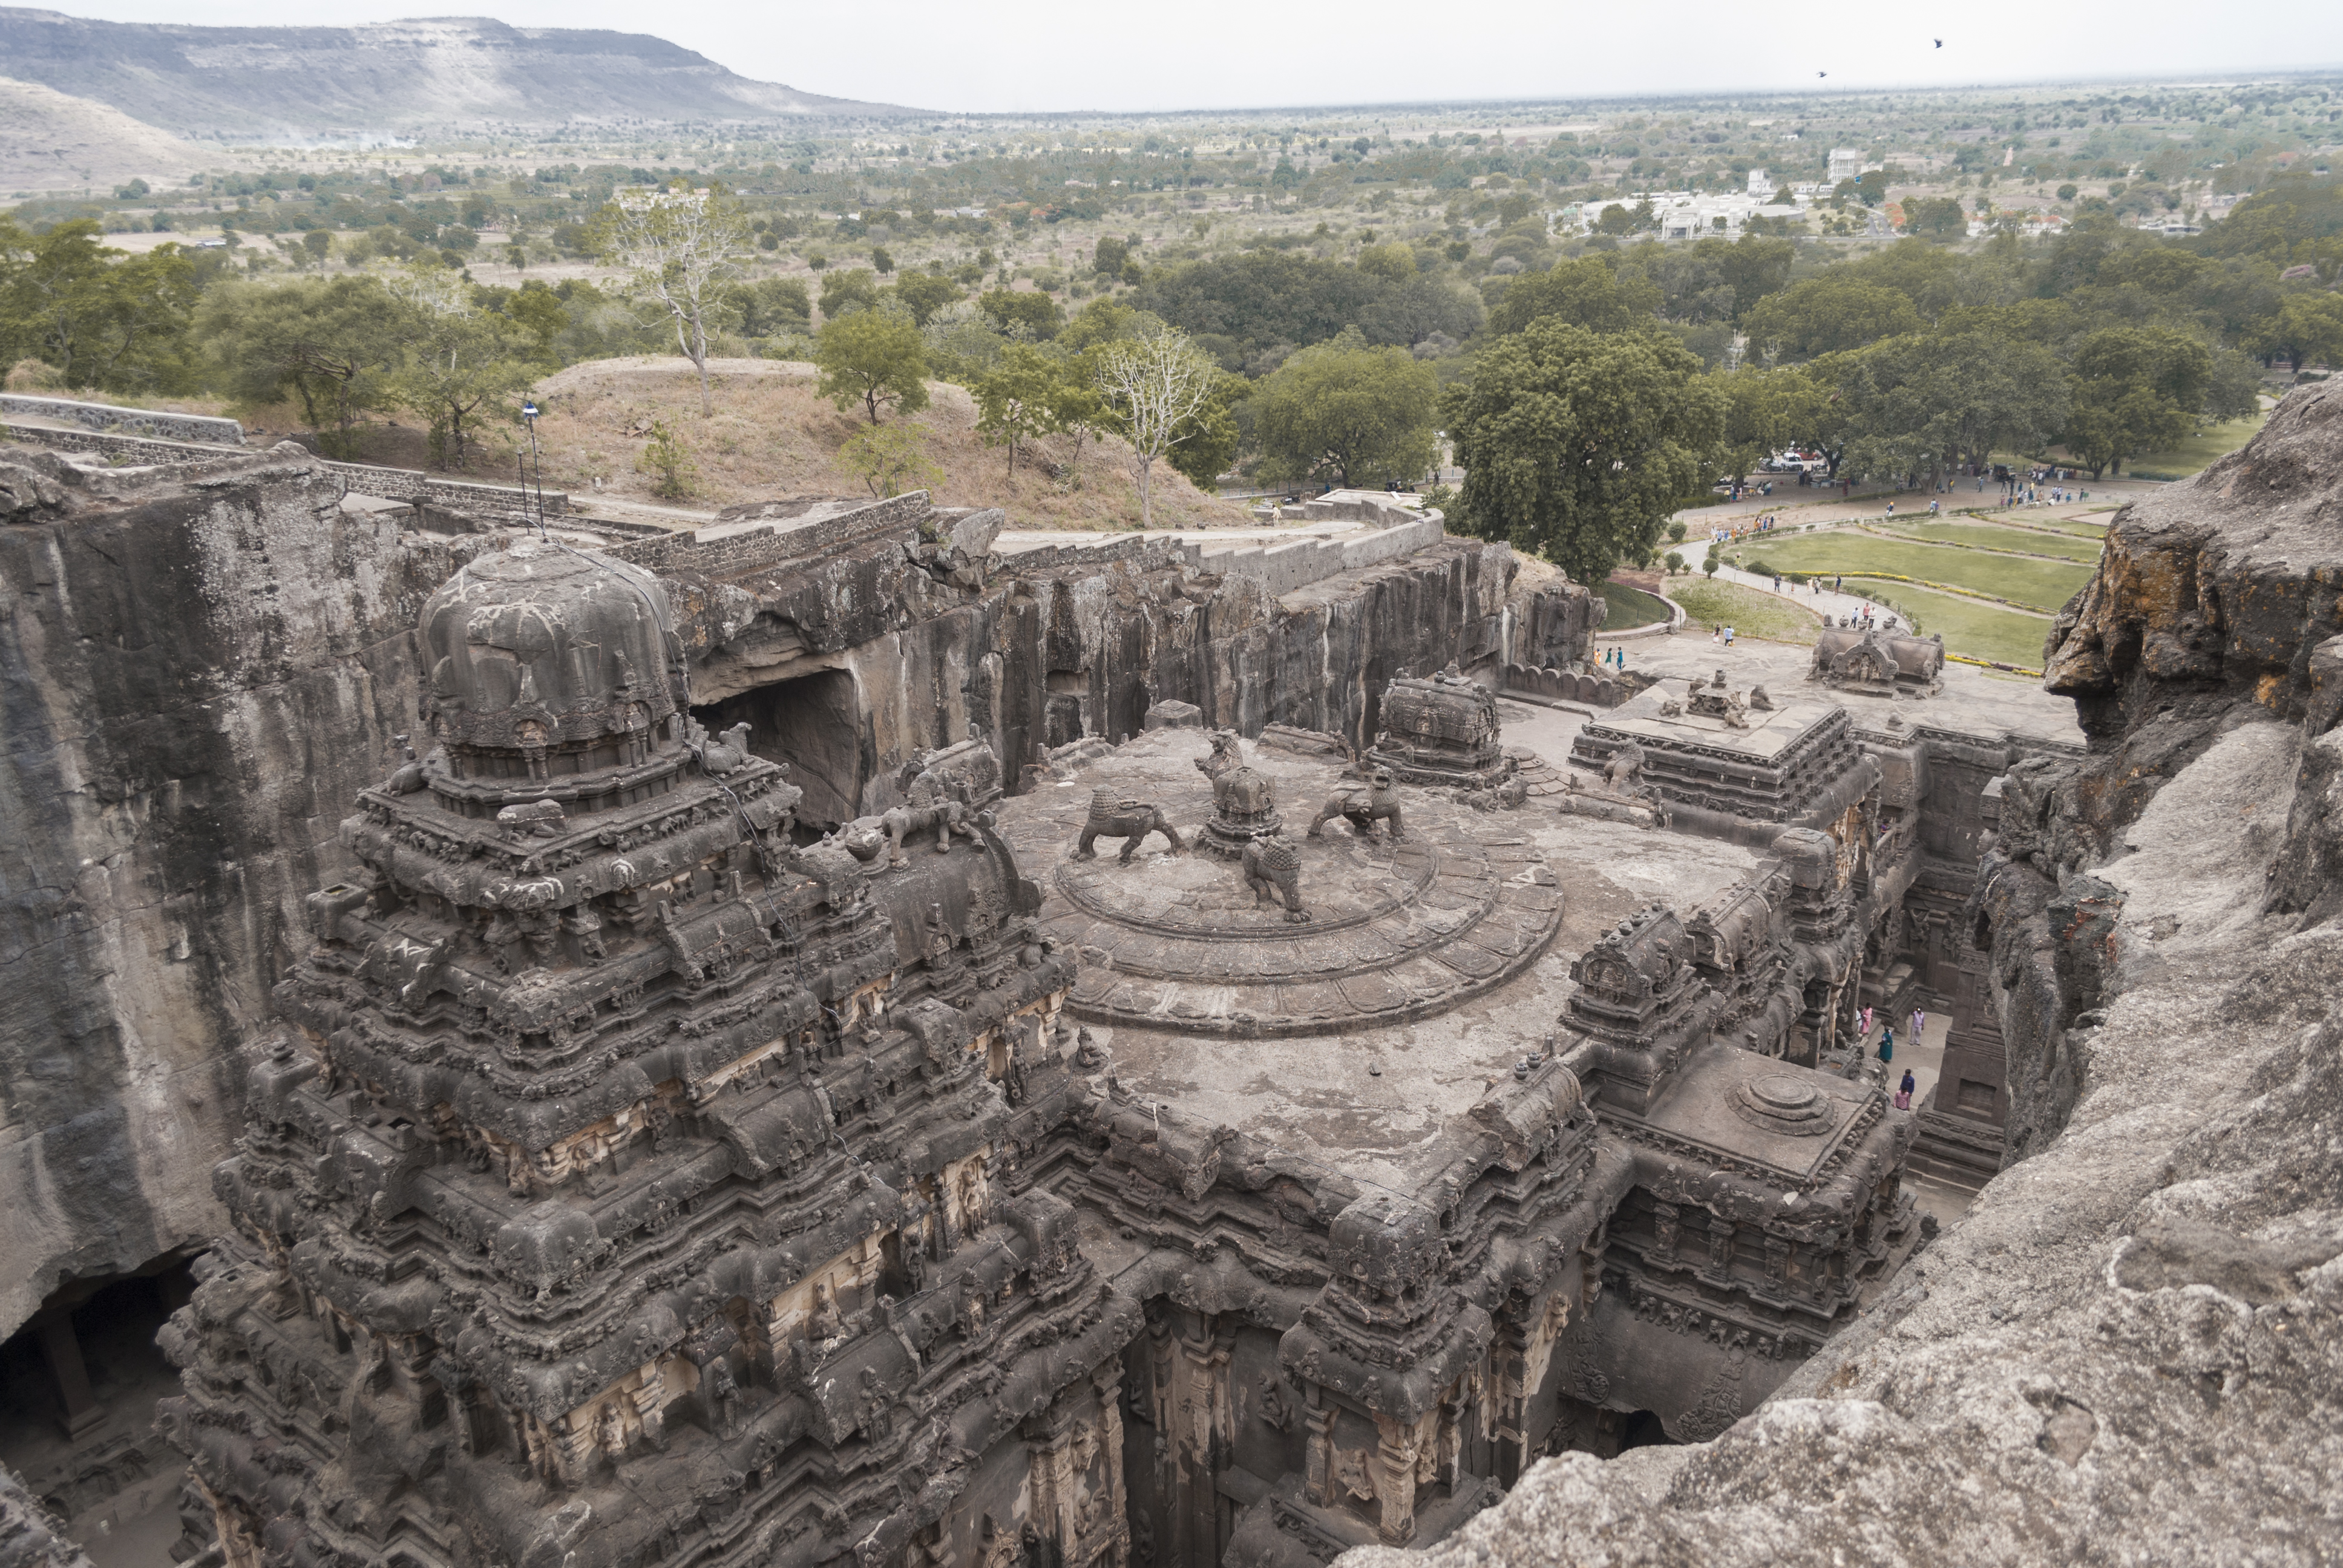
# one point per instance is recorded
(1588, 386)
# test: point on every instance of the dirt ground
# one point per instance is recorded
(771, 434)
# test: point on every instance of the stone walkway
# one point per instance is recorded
(1835, 605)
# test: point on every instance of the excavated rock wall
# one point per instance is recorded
(195, 684)
(1100, 642)
(2130, 1349)
(200, 675)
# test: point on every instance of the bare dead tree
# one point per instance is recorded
(676, 246)
(1157, 385)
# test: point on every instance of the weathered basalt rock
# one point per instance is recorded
(2127, 1349)
(198, 672)
(2208, 593)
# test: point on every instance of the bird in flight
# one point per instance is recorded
(1940, 42)
(1822, 73)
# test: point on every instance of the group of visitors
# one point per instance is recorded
(1719, 632)
(1763, 523)
(1905, 1089)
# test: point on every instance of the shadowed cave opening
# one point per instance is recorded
(1643, 1430)
(812, 722)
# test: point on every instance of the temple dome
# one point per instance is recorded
(541, 645)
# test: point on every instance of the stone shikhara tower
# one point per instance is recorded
(631, 1185)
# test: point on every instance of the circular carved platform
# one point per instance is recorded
(1397, 931)
(1784, 1102)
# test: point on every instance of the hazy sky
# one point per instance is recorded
(1052, 55)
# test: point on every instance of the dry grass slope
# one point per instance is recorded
(53, 141)
(771, 435)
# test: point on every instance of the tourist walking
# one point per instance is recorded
(1919, 1021)
(1904, 1091)
(1866, 1024)
(1886, 1045)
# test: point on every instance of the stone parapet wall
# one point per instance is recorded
(141, 448)
(453, 494)
(1148, 552)
(106, 418)
(1281, 569)
(503, 501)
(753, 548)
(1563, 686)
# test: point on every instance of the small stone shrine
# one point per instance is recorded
(1720, 765)
(1440, 731)
(1244, 807)
(1877, 663)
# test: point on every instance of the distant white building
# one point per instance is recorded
(1689, 215)
(1760, 185)
(1846, 163)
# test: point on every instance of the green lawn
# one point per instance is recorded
(1979, 630)
(1748, 612)
(1629, 607)
(2090, 528)
(2196, 453)
(1985, 536)
(2036, 585)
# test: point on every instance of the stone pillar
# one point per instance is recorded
(1050, 1475)
(1204, 1400)
(1318, 1478)
(1108, 1383)
(81, 1411)
(1396, 1455)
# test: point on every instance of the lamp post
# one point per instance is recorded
(536, 465)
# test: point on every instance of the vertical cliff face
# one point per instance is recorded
(2131, 1347)
(196, 678)
(2215, 607)
(1044, 655)
(2206, 608)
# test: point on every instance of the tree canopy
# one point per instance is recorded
(1829, 314)
(1349, 413)
(874, 357)
(1577, 445)
(103, 318)
(1583, 293)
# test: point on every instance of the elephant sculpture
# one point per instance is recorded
(1363, 805)
(1129, 821)
(1272, 870)
(722, 755)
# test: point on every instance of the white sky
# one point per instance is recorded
(1025, 56)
